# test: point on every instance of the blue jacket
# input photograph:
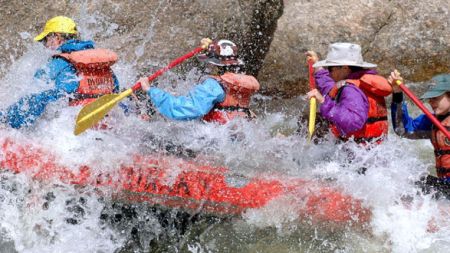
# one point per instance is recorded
(199, 101)
(29, 108)
(404, 125)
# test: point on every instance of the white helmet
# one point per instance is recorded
(221, 53)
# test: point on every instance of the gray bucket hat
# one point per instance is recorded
(344, 54)
(440, 85)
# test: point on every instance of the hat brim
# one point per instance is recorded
(326, 63)
(41, 36)
(219, 62)
(433, 94)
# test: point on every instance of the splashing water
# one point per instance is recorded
(54, 217)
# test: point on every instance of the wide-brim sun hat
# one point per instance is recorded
(440, 85)
(221, 53)
(344, 54)
(59, 24)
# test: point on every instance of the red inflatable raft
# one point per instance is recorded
(176, 183)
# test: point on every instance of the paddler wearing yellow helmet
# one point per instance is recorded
(60, 34)
(58, 27)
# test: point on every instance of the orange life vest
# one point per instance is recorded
(93, 67)
(441, 146)
(238, 90)
(375, 87)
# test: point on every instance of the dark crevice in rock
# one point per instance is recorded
(260, 35)
(378, 31)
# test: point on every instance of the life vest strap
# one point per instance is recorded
(78, 96)
(333, 92)
(442, 117)
(363, 140)
(435, 127)
(338, 93)
(376, 119)
(442, 170)
(440, 152)
(234, 109)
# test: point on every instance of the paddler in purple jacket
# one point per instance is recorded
(350, 93)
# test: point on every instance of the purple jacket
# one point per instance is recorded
(351, 113)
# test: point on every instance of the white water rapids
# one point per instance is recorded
(34, 216)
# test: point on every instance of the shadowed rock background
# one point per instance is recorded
(410, 35)
(413, 36)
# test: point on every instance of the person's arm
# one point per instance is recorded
(324, 83)
(200, 100)
(25, 111)
(29, 108)
(61, 72)
(3, 119)
(404, 125)
(116, 84)
(350, 113)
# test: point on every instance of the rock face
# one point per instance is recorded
(412, 36)
(147, 33)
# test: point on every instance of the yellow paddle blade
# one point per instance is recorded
(312, 117)
(92, 113)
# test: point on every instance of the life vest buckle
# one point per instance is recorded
(440, 152)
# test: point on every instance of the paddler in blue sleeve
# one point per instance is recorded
(80, 73)
(219, 98)
(438, 96)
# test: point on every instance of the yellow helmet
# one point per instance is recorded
(59, 24)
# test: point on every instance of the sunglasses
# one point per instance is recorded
(330, 69)
(46, 38)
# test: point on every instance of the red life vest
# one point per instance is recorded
(441, 146)
(375, 88)
(238, 90)
(93, 67)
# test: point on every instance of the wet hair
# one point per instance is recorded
(238, 69)
(352, 68)
(64, 36)
(69, 36)
(355, 69)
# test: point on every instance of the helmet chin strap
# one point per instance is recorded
(212, 69)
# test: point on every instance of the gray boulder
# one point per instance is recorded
(412, 36)
(147, 33)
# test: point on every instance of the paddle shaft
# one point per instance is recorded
(312, 81)
(92, 113)
(312, 102)
(172, 64)
(423, 108)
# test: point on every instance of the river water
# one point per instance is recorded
(54, 217)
